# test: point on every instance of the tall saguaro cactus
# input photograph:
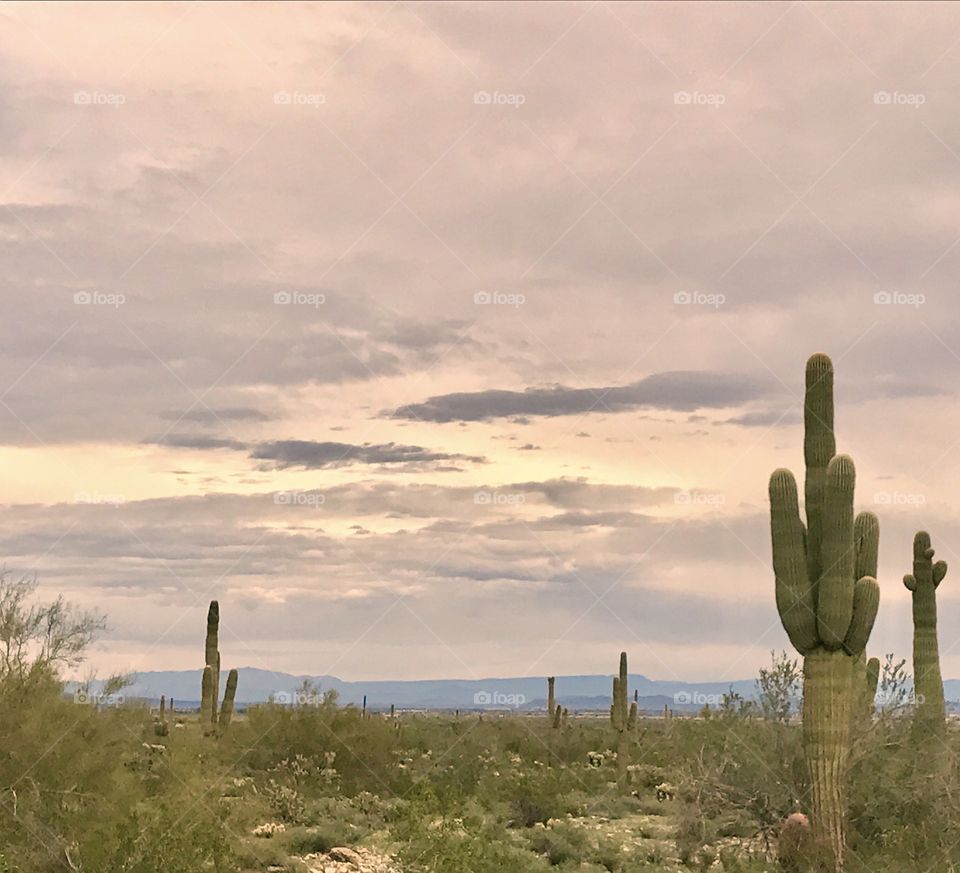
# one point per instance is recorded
(551, 695)
(826, 607)
(622, 718)
(930, 720)
(212, 658)
(210, 685)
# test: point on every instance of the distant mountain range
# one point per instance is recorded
(523, 693)
(582, 693)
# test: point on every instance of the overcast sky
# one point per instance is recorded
(461, 339)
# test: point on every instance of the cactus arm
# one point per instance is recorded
(229, 694)
(866, 535)
(836, 588)
(794, 594)
(939, 571)
(206, 699)
(819, 446)
(866, 602)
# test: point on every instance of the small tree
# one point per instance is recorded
(778, 688)
(38, 640)
(895, 686)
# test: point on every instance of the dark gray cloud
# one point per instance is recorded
(196, 441)
(676, 391)
(309, 455)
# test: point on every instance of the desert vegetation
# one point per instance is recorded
(838, 763)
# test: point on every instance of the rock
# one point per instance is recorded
(345, 856)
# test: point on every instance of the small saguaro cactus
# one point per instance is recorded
(229, 694)
(825, 606)
(551, 695)
(930, 719)
(557, 716)
(207, 702)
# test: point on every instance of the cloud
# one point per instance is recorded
(212, 416)
(196, 441)
(309, 455)
(674, 391)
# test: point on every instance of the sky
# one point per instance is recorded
(460, 339)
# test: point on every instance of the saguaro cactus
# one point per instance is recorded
(551, 695)
(226, 711)
(210, 685)
(827, 610)
(930, 719)
(212, 660)
(622, 718)
(207, 702)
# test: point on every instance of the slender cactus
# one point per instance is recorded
(212, 660)
(551, 695)
(826, 607)
(229, 694)
(207, 703)
(930, 719)
(620, 715)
